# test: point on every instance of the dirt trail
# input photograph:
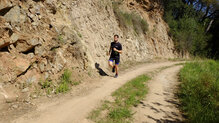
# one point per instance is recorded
(76, 109)
(160, 105)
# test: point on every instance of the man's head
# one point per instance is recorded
(116, 37)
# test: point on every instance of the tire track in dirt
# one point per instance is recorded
(161, 103)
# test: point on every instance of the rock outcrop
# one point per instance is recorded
(41, 38)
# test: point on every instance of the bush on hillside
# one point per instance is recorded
(130, 20)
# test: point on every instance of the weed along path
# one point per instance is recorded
(77, 108)
(160, 104)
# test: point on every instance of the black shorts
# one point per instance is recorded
(117, 60)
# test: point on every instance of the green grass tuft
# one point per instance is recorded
(119, 110)
(47, 86)
(65, 83)
(199, 92)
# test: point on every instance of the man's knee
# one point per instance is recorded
(110, 63)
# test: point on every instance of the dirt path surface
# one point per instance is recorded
(160, 105)
(76, 109)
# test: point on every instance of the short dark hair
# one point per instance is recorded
(116, 35)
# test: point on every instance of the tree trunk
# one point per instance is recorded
(209, 25)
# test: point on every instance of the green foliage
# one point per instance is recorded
(62, 88)
(65, 83)
(119, 111)
(185, 28)
(139, 24)
(61, 39)
(199, 91)
(130, 20)
(65, 78)
(132, 92)
(76, 83)
(144, 25)
(47, 86)
(79, 34)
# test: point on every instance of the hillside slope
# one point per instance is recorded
(41, 38)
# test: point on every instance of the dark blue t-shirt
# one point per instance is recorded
(116, 45)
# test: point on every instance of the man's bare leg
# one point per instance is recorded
(111, 64)
(117, 69)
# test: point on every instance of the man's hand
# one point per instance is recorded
(119, 51)
(115, 49)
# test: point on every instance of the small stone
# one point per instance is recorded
(18, 28)
(31, 79)
(39, 50)
(42, 67)
(39, 17)
(14, 37)
(10, 100)
(31, 55)
(49, 96)
(33, 104)
(34, 96)
(35, 24)
(27, 100)
(14, 106)
(34, 65)
(25, 90)
(34, 41)
(46, 76)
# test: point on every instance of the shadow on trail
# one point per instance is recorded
(100, 71)
(165, 120)
(169, 117)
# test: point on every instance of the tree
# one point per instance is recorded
(189, 22)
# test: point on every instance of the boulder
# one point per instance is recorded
(24, 45)
(12, 66)
(4, 37)
(39, 50)
(14, 15)
(31, 76)
(59, 61)
(14, 37)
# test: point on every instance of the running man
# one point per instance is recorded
(115, 50)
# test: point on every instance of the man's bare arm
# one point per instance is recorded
(119, 51)
(110, 50)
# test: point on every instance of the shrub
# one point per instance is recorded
(63, 87)
(130, 20)
(65, 82)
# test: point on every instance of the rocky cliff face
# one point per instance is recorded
(41, 38)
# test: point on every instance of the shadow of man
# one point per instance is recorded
(100, 71)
